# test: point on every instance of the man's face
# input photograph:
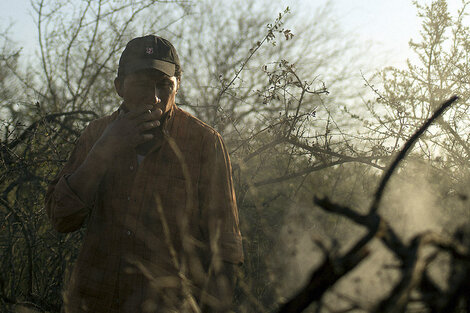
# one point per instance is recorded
(146, 87)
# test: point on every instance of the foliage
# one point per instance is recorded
(34, 258)
(275, 94)
(408, 96)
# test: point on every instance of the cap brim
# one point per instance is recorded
(143, 64)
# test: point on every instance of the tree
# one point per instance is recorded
(407, 97)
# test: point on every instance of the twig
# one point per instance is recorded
(401, 155)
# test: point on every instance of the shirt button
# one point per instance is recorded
(128, 198)
(128, 233)
(131, 167)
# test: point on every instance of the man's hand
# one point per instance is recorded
(128, 131)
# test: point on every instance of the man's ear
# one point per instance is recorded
(178, 80)
(118, 85)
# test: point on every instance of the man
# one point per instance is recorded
(156, 186)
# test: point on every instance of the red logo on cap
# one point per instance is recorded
(149, 50)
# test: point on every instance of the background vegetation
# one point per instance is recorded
(296, 126)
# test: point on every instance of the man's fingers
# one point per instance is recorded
(147, 115)
(145, 109)
(149, 125)
(141, 138)
(150, 115)
(144, 138)
(156, 114)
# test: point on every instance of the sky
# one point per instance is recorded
(387, 23)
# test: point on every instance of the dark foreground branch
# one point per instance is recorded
(403, 152)
(323, 278)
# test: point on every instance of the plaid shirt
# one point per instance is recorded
(154, 227)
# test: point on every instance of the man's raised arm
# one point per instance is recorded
(70, 196)
(66, 205)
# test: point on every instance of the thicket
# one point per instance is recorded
(282, 99)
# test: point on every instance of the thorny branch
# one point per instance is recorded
(46, 119)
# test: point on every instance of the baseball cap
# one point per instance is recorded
(148, 52)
